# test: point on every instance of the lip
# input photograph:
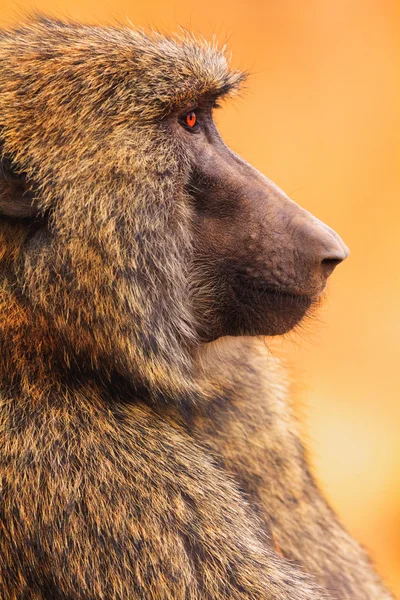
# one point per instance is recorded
(272, 299)
(279, 295)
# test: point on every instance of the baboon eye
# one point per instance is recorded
(190, 121)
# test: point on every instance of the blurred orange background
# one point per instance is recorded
(321, 117)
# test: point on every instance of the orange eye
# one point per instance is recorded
(191, 119)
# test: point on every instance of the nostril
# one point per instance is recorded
(328, 264)
(335, 252)
(324, 250)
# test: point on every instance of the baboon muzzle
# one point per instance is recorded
(247, 218)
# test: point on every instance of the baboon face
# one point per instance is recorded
(261, 261)
(142, 234)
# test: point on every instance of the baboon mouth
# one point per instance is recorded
(284, 295)
(277, 296)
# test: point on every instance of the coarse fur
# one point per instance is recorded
(135, 460)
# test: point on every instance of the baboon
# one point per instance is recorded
(147, 444)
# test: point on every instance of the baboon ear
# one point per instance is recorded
(16, 195)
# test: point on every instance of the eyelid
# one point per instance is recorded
(185, 112)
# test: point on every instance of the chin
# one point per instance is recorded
(260, 312)
(267, 313)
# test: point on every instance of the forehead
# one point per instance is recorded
(141, 70)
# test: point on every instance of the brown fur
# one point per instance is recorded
(133, 462)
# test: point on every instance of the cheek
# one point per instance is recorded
(239, 248)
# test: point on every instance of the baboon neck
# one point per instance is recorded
(35, 361)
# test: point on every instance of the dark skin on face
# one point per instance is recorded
(260, 260)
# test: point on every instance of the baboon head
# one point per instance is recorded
(140, 233)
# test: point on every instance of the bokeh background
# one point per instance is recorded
(321, 117)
